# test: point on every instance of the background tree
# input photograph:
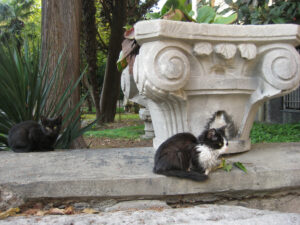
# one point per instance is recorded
(90, 50)
(13, 15)
(61, 32)
(114, 15)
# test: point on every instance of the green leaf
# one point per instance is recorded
(127, 27)
(191, 13)
(175, 14)
(225, 166)
(175, 4)
(150, 16)
(225, 11)
(228, 2)
(206, 14)
(122, 62)
(226, 20)
(228, 167)
(188, 7)
(240, 166)
(278, 20)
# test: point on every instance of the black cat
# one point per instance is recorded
(185, 156)
(30, 136)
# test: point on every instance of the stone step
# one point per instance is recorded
(126, 174)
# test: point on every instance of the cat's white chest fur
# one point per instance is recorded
(208, 158)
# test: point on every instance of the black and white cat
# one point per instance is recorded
(185, 156)
(30, 136)
(222, 119)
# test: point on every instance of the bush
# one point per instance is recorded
(265, 133)
(25, 90)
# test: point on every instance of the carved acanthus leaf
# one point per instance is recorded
(203, 48)
(226, 50)
(248, 51)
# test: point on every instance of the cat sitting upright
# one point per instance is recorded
(30, 136)
(185, 156)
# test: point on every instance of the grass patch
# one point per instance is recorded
(260, 133)
(127, 116)
(268, 133)
(85, 109)
(131, 132)
(88, 116)
(124, 116)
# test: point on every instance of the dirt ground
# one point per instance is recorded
(105, 142)
(94, 143)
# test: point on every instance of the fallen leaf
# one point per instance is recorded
(225, 166)
(69, 210)
(38, 205)
(228, 167)
(90, 211)
(240, 166)
(40, 213)
(30, 212)
(55, 211)
(9, 212)
(221, 164)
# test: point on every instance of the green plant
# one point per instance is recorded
(263, 132)
(172, 10)
(228, 166)
(120, 110)
(25, 93)
(262, 12)
(14, 15)
(131, 132)
(124, 116)
(180, 11)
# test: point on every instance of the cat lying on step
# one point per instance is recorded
(30, 136)
(185, 156)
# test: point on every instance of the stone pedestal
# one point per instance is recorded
(188, 71)
(131, 92)
(145, 116)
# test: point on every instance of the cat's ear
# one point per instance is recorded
(211, 133)
(222, 130)
(43, 119)
(59, 117)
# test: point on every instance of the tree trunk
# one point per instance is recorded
(89, 104)
(90, 32)
(111, 84)
(61, 30)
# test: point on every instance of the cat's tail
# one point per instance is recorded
(192, 175)
(20, 149)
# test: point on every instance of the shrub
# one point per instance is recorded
(25, 93)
